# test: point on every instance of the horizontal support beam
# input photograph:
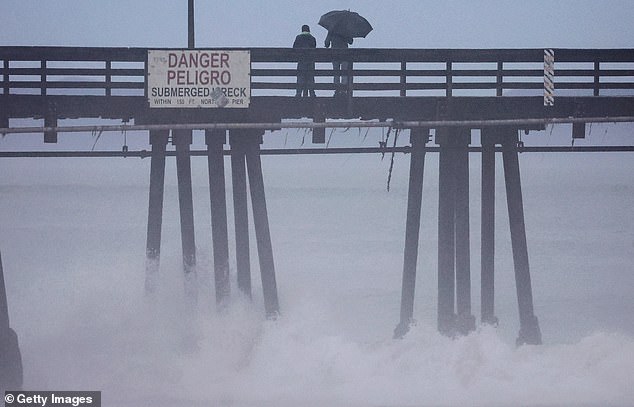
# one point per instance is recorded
(21, 53)
(307, 151)
(430, 124)
(74, 85)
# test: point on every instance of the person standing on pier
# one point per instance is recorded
(335, 40)
(305, 66)
(343, 26)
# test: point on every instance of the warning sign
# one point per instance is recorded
(198, 78)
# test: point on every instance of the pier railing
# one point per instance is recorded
(81, 71)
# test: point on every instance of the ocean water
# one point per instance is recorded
(72, 235)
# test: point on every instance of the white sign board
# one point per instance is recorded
(198, 79)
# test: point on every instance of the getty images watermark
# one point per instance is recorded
(52, 399)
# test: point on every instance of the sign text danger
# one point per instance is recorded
(199, 78)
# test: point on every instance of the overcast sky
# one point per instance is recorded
(274, 23)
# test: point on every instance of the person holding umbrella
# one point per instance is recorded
(305, 67)
(343, 26)
(336, 40)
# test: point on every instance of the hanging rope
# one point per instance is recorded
(365, 136)
(389, 174)
(96, 135)
(383, 144)
(605, 134)
(124, 148)
(330, 137)
(342, 124)
(590, 130)
(304, 137)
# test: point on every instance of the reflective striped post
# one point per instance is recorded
(549, 77)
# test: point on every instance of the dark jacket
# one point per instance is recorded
(305, 40)
(334, 40)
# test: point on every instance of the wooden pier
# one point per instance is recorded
(450, 91)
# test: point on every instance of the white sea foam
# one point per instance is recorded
(72, 237)
(138, 351)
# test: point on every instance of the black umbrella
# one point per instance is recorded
(346, 23)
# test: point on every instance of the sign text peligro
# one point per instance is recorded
(199, 78)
